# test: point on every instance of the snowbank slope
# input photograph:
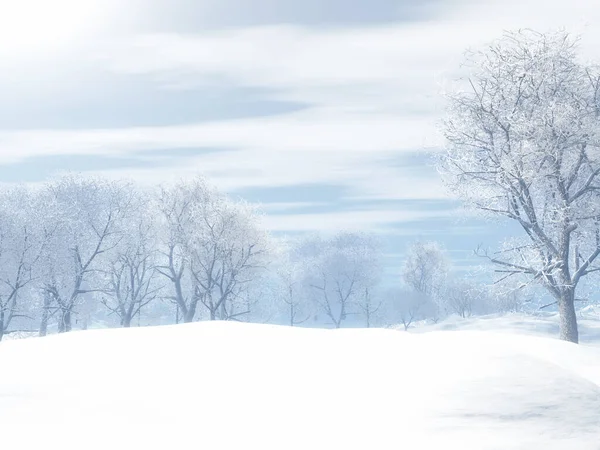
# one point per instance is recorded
(236, 386)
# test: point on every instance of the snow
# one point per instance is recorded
(539, 324)
(225, 385)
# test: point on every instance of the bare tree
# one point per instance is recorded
(405, 306)
(132, 274)
(368, 306)
(461, 298)
(425, 272)
(89, 215)
(22, 240)
(289, 273)
(339, 270)
(523, 143)
(217, 243)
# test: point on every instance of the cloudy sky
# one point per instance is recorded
(324, 111)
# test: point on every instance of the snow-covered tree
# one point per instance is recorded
(425, 272)
(132, 278)
(523, 143)
(467, 297)
(338, 271)
(88, 216)
(214, 248)
(22, 241)
(289, 287)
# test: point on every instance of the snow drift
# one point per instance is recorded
(228, 385)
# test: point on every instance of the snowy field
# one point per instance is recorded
(225, 385)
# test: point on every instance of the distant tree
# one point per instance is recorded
(465, 298)
(405, 306)
(369, 306)
(289, 270)
(338, 270)
(425, 272)
(524, 144)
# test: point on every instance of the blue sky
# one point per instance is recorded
(323, 111)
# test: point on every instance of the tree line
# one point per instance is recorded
(82, 251)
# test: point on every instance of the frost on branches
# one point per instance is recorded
(523, 143)
(213, 249)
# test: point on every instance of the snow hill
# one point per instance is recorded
(224, 385)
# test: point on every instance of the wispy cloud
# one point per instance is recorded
(377, 220)
(370, 96)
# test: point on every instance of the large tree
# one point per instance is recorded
(523, 143)
(213, 249)
(88, 216)
(23, 237)
(132, 277)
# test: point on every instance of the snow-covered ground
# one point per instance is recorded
(227, 385)
(540, 324)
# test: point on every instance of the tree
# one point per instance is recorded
(338, 270)
(289, 273)
(405, 306)
(462, 297)
(218, 243)
(523, 144)
(88, 215)
(22, 241)
(425, 272)
(368, 306)
(132, 274)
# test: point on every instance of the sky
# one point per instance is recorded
(326, 112)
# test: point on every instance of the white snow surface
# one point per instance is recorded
(223, 385)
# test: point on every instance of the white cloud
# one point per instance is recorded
(303, 147)
(373, 93)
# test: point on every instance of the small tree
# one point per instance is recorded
(289, 272)
(425, 272)
(466, 298)
(405, 306)
(524, 144)
(369, 306)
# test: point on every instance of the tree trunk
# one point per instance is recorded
(65, 321)
(568, 317)
(45, 315)
(189, 315)
(223, 314)
(1, 324)
(126, 321)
